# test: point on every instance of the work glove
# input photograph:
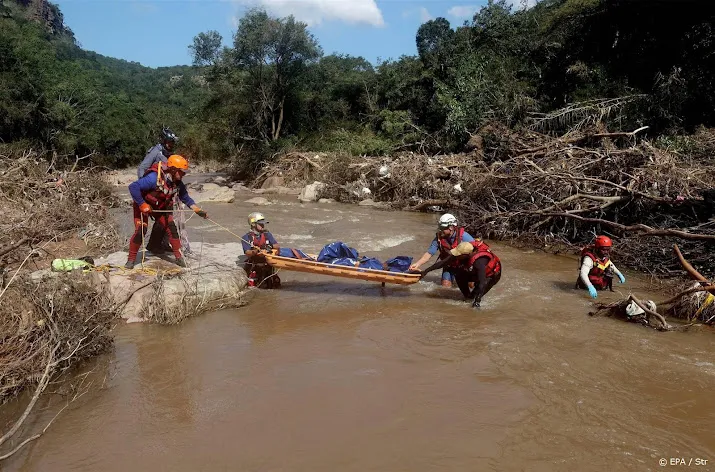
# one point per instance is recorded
(622, 278)
(145, 208)
(201, 213)
(592, 291)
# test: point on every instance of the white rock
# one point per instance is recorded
(214, 193)
(310, 192)
(326, 200)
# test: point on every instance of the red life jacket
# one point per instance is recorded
(161, 197)
(598, 275)
(445, 246)
(258, 241)
(481, 249)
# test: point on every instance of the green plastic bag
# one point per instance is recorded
(66, 265)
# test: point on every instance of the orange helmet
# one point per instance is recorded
(603, 241)
(178, 162)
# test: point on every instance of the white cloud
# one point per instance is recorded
(424, 15)
(422, 12)
(314, 12)
(463, 11)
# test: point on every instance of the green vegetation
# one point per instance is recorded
(620, 64)
(54, 95)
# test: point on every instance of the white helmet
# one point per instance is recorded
(256, 217)
(447, 220)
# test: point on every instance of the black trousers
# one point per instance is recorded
(464, 278)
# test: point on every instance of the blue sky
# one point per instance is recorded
(157, 32)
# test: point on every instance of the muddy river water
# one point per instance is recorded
(331, 374)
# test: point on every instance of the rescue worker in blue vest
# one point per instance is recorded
(474, 262)
(596, 269)
(449, 235)
(256, 240)
(154, 196)
(158, 153)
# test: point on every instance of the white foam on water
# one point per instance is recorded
(388, 242)
(322, 222)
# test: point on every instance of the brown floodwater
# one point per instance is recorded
(331, 374)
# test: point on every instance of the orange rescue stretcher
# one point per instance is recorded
(313, 267)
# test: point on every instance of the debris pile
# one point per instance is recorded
(556, 192)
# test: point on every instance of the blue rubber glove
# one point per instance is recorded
(592, 291)
(622, 278)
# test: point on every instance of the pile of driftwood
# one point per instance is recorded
(565, 190)
(45, 330)
(695, 304)
(555, 191)
(48, 200)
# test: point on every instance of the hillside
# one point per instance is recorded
(58, 96)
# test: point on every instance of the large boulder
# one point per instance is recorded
(310, 192)
(214, 193)
(273, 182)
(161, 291)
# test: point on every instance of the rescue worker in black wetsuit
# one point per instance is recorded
(475, 262)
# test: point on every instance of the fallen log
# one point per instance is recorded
(640, 228)
(689, 268)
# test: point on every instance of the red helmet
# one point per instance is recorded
(603, 241)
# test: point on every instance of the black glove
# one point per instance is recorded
(269, 247)
(476, 304)
(202, 214)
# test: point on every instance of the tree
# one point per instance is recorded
(206, 49)
(434, 39)
(274, 53)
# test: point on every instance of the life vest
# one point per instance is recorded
(445, 246)
(599, 274)
(162, 196)
(481, 249)
(258, 241)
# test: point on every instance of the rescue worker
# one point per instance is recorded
(474, 262)
(256, 240)
(596, 270)
(449, 235)
(158, 242)
(158, 153)
(157, 190)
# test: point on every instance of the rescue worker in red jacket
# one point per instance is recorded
(596, 270)
(475, 262)
(449, 235)
(156, 190)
